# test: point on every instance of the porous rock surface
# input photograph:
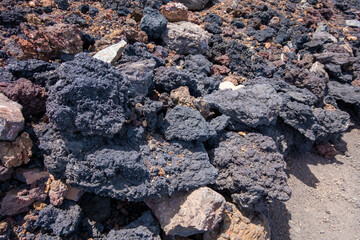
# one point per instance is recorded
(250, 168)
(89, 97)
(185, 214)
(17, 152)
(11, 118)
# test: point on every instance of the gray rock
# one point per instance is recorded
(146, 227)
(353, 23)
(252, 106)
(5, 173)
(194, 4)
(186, 124)
(153, 23)
(11, 119)
(127, 167)
(190, 213)
(186, 38)
(250, 168)
(112, 53)
(62, 221)
(90, 97)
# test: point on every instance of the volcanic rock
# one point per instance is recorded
(174, 12)
(185, 214)
(250, 168)
(11, 118)
(186, 38)
(57, 191)
(195, 4)
(184, 123)
(145, 227)
(5, 173)
(153, 23)
(30, 176)
(17, 152)
(237, 226)
(73, 194)
(62, 220)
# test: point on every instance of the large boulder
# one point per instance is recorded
(90, 97)
(250, 168)
(185, 214)
(186, 38)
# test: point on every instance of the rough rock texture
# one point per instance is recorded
(250, 168)
(195, 4)
(17, 152)
(140, 77)
(29, 68)
(57, 192)
(251, 106)
(153, 23)
(174, 12)
(61, 221)
(11, 118)
(112, 53)
(126, 167)
(30, 176)
(237, 226)
(186, 38)
(32, 97)
(185, 214)
(50, 42)
(186, 124)
(90, 97)
(146, 227)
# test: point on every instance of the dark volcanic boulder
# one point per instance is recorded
(123, 168)
(153, 23)
(187, 124)
(251, 106)
(146, 227)
(250, 168)
(90, 97)
(62, 221)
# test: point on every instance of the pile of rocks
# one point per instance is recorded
(166, 120)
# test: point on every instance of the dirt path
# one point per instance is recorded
(325, 203)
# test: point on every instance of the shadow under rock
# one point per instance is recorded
(279, 218)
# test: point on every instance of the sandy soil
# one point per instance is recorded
(325, 202)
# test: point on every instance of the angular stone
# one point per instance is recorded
(5, 173)
(237, 226)
(229, 85)
(186, 38)
(174, 12)
(112, 53)
(353, 23)
(185, 214)
(73, 194)
(11, 119)
(15, 202)
(16, 153)
(194, 4)
(29, 176)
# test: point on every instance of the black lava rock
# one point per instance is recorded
(153, 23)
(213, 19)
(62, 4)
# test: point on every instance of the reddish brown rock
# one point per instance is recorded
(50, 42)
(15, 202)
(223, 60)
(327, 150)
(73, 194)
(228, 32)
(174, 12)
(133, 35)
(31, 96)
(16, 153)
(192, 17)
(11, 118)
(237, 226)
(218, 69)
(29, 176)
(57, 191)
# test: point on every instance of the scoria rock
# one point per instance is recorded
(127, 167)
(49, 42)
(57, 192)
(250, 106)
(90, 97)
(236, 225)
(153, 23)
(32, 97)
(17, 152)
(185, 214)
(250, 168)
(195, 4)
(145, 227)
(62, 220)
(186, 38)
(184, 123)
(174, 12)
(11, 118)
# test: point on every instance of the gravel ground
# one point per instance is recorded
(325, 202)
